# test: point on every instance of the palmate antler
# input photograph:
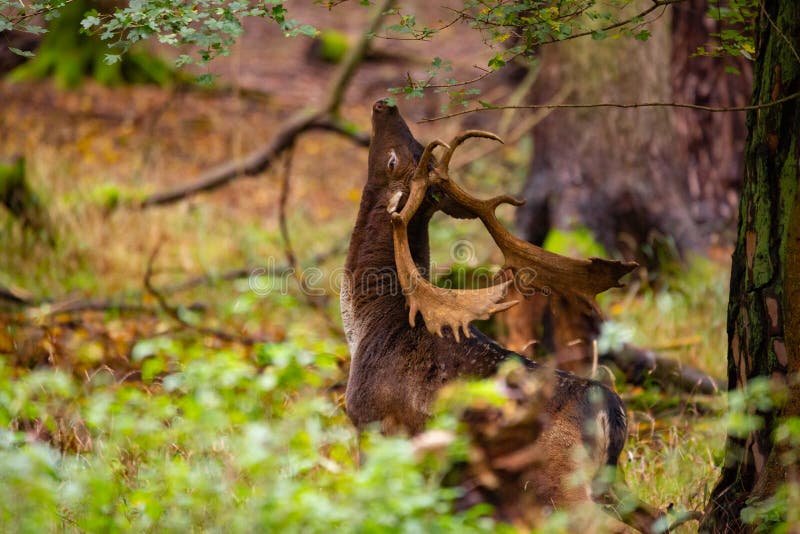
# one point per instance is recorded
(534, 268)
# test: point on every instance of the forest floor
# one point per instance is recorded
(91, 153)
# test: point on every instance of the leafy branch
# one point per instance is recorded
(518, 29)
(325, 118)
(209, 26)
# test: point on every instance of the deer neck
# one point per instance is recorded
(372, 245)
(370, 287)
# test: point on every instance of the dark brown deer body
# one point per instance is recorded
(397, 369)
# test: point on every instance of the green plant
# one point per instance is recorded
(215, 444)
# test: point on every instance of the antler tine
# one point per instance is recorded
(460, 138)
(419, 184)
(424, 160)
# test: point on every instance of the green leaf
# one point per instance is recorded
(497, 62)
(206, 79)
(306, 29)
(23, 53)
(90, 22)
(35, 29)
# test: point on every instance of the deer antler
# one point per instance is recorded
(439, 307)
(534, 268)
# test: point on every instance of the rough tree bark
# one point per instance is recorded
(764, 305)
(630, 176)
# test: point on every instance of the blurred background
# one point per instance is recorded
(120, 264)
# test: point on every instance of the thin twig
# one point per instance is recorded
(698, 107)
(521, 129)
(174, 312)
(318, 302)
(283, 199)
(777, 29)
(437, 30)
(685, 517)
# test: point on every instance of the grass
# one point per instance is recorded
(122, 422)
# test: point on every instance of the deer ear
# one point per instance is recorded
(392, 163)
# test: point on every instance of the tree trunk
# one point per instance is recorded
(712, 142)
(598, 168)
(22, 202)
(764, 305)
(614, 171)
(631, 176)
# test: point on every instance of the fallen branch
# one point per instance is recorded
(15, 298)
(639, 365)
(174, 312)
(38, 308)
(327, 118)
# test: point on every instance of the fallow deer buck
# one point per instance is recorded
(399, 364)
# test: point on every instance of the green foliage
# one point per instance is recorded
(210, 26)
(683, 314)
(778, 513)
(213, 443)
(333, 46)
(68, 53)
(515, 30)
(578, 242)
(738, 20)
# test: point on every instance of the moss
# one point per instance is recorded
(788, 186)
(789, 19)
(763, 269)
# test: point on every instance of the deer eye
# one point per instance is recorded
(392, 163)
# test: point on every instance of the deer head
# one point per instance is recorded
(533, 268)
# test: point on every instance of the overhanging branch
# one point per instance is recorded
(710, 109)
(326, 119)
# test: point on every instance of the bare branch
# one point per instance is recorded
(353, 59)
(174, 312)
(319, 303)
(698, 107)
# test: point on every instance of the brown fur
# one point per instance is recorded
(396, 370)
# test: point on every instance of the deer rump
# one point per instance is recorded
(399, 364)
